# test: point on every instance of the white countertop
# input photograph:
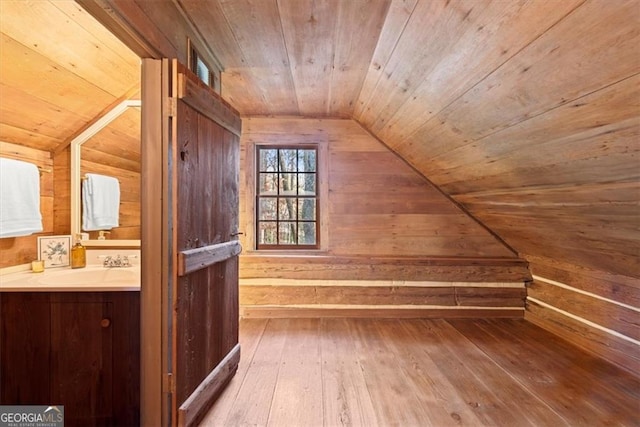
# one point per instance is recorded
(93, 278)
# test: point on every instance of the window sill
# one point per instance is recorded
(285, 252)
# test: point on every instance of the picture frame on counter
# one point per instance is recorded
(55, 251)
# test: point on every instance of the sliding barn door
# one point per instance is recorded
(199, 211)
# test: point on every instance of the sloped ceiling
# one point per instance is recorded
(59, 71)
(526, 112)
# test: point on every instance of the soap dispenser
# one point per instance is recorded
(78, 254)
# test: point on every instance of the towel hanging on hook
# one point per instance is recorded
(19, 198)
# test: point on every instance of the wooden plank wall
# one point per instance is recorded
(593, 309)
(380, 221)
(62, 191)
(20, 250)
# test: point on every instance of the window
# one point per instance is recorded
(200, 68)
(287, 197)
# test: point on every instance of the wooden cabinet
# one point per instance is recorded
(77, 349)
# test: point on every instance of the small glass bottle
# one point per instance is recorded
(78, 254)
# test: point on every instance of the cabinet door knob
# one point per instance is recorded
(105, 323)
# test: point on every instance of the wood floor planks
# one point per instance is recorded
(493, 397)
(299, 377)
(252, 330)
(345, 395)
(419, 372)
(390, 388)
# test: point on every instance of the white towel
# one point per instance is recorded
(19, 198)
(100, 202)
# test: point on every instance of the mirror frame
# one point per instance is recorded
(76, 145)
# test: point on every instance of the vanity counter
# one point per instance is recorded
(93, 278)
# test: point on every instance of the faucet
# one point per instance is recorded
(117, 261)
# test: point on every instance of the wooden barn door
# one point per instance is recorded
(200, 296)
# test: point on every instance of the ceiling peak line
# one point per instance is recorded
(336, 25)
(407, 78)
(286, 50)
(358, 111)
(487, 75)
(373, 54)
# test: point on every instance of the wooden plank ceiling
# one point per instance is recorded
(59, 71)
(526, 112)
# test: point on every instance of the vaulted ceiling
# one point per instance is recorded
(525, 112)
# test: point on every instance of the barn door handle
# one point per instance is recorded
(237, 233)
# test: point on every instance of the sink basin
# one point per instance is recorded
(94, 275)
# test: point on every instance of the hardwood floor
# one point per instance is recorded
(365, 372)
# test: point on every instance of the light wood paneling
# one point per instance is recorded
(263, 28)
(62, 191)
(404, 294)
(60, 82)
(381, 221)
(379, 299)
(543, 148)
(118, 144)
(596, 310)
(377, 205)
(624, 320)
(383, 268)
(21, 250)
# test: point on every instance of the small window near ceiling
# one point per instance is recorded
(200, 68)
(287, 197)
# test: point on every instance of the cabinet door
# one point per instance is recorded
(81, 359)
(24, 348)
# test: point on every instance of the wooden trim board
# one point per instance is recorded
(379, 312)
(203, 396)
(220, 111)
(195, 259)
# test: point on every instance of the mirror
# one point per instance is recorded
(111, 147)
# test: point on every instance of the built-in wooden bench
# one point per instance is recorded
(319, 286)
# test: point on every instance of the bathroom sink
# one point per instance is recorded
(93, 275)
